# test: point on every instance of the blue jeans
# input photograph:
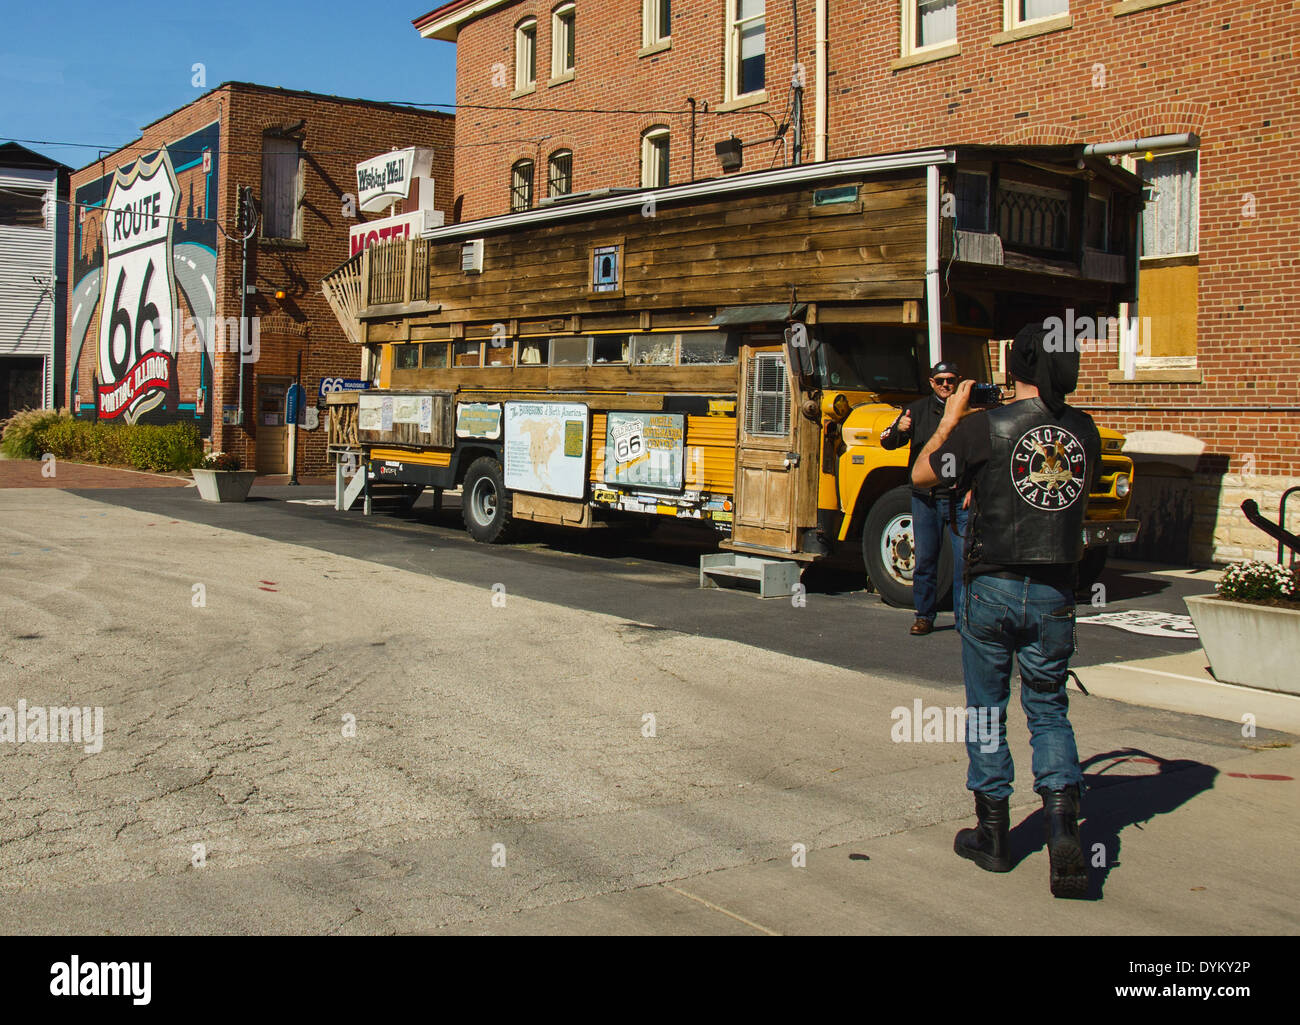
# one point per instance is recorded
(929, 521)
(1035, 623)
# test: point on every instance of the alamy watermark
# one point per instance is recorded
(40, 725)
(936, 724)
(1096, 334)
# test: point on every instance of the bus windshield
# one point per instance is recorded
(870, 358)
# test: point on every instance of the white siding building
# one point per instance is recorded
(33, 279)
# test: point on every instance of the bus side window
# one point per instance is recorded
(534, 352)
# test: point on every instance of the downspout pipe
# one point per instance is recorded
(932, 262)
(819, 116)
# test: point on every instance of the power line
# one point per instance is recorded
(458, 106)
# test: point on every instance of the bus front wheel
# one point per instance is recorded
(889, 550)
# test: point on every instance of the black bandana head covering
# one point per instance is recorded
(1053, 368)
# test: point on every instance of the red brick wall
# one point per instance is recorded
(337, 135)
(1224, 69)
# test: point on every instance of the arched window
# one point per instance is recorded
(562, 25)
(526, 54)
(654, 157)
(559, 178)
(521, 185)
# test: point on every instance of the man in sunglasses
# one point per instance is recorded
(931, 506)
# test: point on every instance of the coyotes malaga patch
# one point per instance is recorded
(1047, 468)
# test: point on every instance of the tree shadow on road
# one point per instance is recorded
(1112, 803)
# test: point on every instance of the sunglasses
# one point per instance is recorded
(950, 382)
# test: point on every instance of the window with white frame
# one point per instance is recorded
(746, 47)
(526, 55)
(559, 176)
(521, 185)
(1022, 12)
(927, 24)
(562, 24)
(1170, 218)
(654, 158)
(281, 187)
(656, 21)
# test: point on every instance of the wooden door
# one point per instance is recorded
(766, 459)
(272, 434)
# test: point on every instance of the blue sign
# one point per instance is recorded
(293, 404)
(333, 384)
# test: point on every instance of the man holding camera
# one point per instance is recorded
(1033, 463)
(931, 507)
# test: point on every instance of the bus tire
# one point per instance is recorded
(889, 551)
(485, 502)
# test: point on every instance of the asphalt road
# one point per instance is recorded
(330, 734)
(652, 578)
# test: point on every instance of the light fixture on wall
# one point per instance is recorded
(731, 153)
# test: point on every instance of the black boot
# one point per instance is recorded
(1061, 813)
(987, 844)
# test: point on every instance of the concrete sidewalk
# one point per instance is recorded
(520, 766)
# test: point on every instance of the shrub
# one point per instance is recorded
(148, 447)
(1259, 581)
(24, 432)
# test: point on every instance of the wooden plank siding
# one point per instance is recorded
(740, 250)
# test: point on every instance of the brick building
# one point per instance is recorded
(162, 213)
(595, 93)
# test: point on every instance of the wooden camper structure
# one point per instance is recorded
(778, 317)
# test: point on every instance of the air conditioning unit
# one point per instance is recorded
(471, 256)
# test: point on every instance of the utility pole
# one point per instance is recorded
(247, 225)
(297, 419)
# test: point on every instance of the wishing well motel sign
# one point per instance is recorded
(388, 179)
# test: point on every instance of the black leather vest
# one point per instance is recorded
(1031, 495)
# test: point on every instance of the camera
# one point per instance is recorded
(984, 396)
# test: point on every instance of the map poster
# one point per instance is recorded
(546, 448)
(645, 449)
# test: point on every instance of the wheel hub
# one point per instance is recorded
(897, 548)
(483, 501)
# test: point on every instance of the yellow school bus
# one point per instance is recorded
(724, 351)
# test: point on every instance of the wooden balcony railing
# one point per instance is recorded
(397, 272)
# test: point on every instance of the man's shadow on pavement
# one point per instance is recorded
(1112, 803)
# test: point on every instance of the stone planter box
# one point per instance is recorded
(223, 485)
(1253, 645)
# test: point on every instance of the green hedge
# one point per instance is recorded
(32, 433)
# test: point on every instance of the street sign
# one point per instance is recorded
(293, 404)
(333, 384)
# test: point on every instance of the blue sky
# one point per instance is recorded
(95, 73)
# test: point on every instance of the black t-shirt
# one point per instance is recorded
(926, 413)
(966, 450)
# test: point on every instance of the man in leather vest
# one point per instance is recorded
(1032, 463)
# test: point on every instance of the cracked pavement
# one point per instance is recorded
(522, 725)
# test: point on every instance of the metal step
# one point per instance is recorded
(776, 578)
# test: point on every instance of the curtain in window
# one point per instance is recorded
(1169, 220)
(936, 21)
(1031, 9)
(279, 187)
(521, 185)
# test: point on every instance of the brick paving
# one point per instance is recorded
(26, 473)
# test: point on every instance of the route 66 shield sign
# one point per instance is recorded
(138, 291)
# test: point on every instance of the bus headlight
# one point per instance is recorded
(1122, 485)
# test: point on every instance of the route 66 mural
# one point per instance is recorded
(145, 285)
(137, 292)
